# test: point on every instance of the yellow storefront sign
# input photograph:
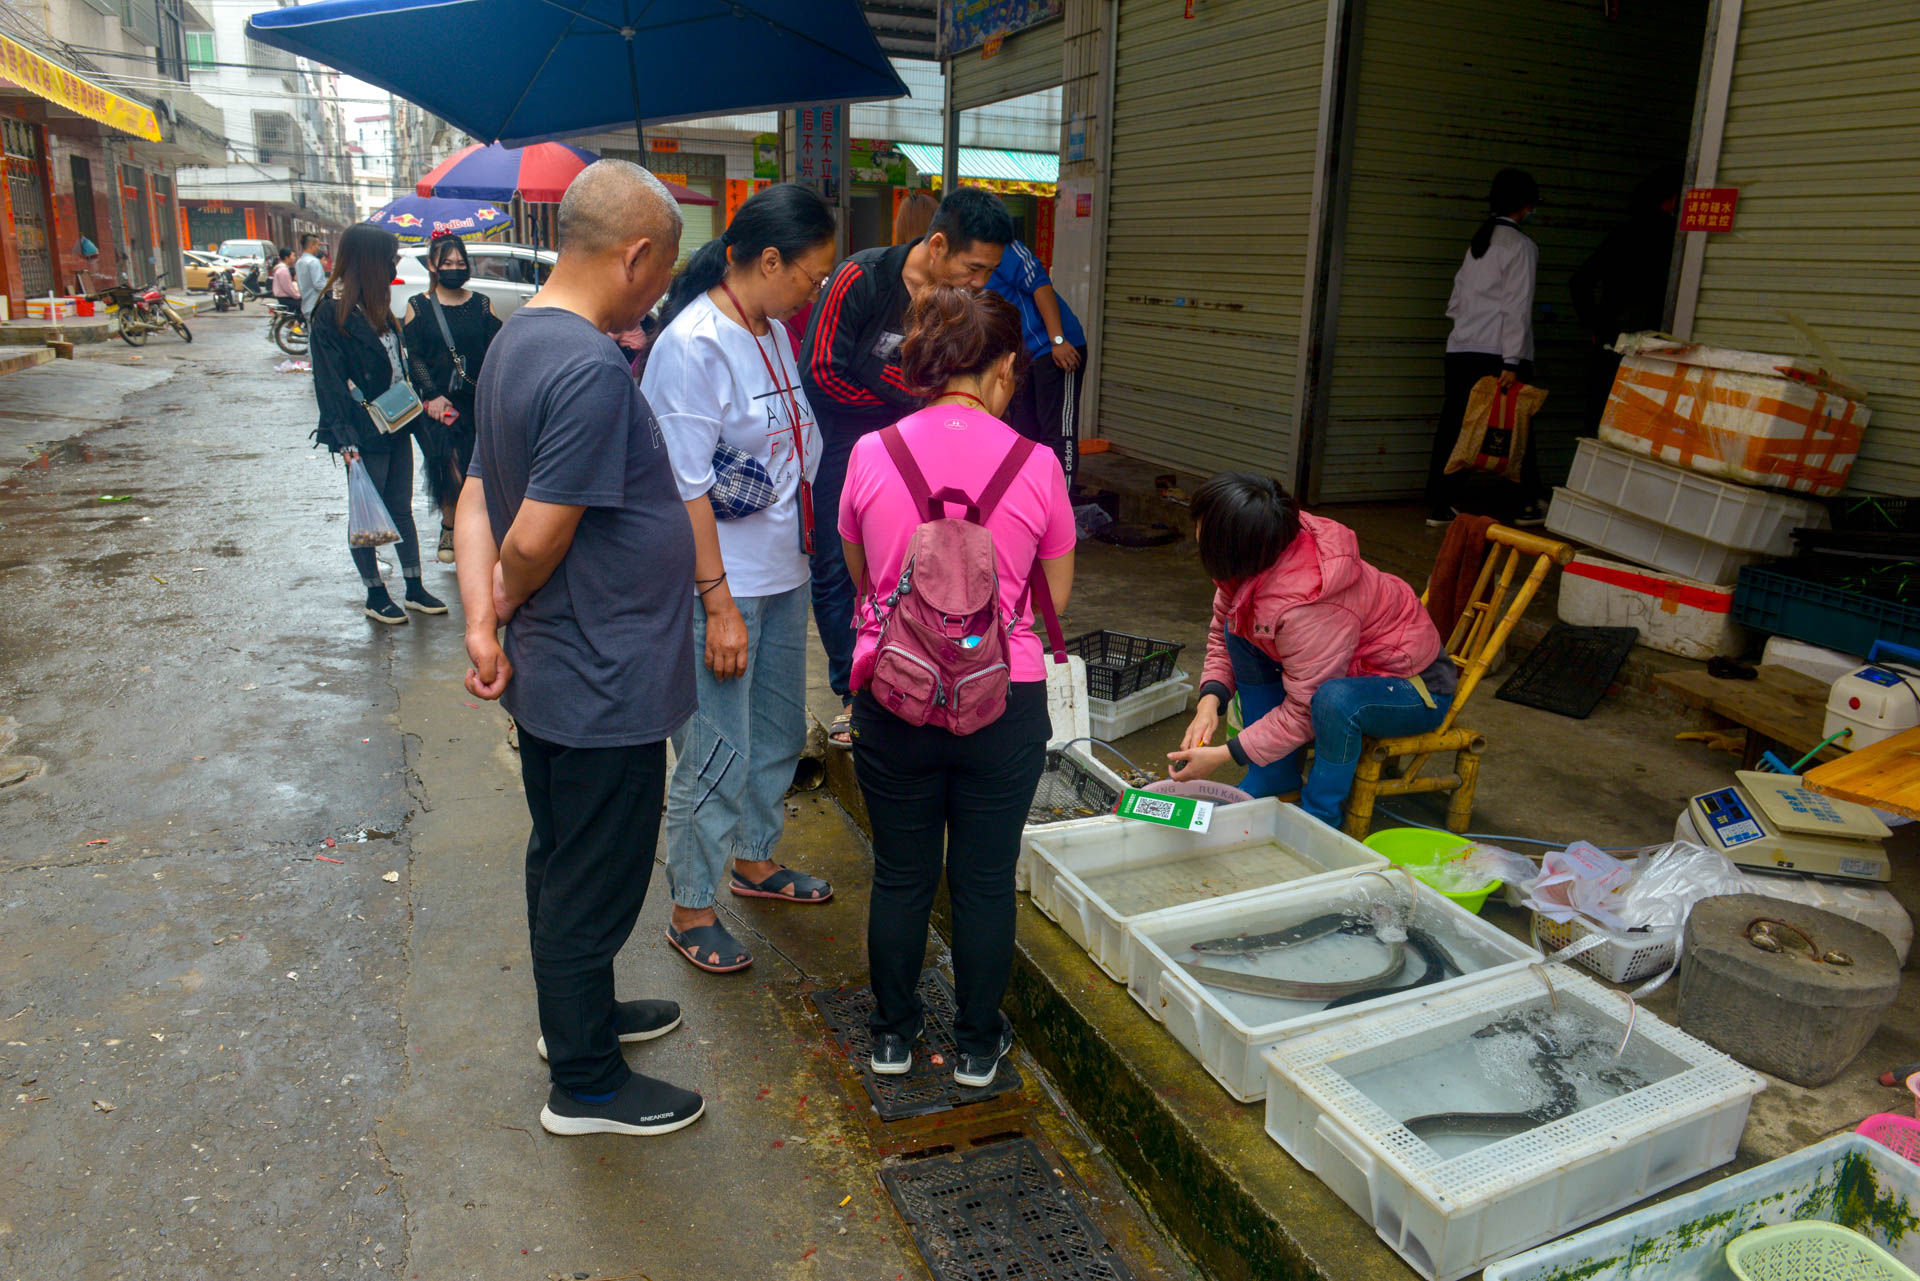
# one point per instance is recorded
(62, 87)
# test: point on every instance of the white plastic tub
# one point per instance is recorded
(1329, 1091)
(1644, 540)
(1674, 615)
(1687, 1237)
(1742, 517)
(1095, 877)
(1227, 1031)
(1113, 720)
(1084, 756)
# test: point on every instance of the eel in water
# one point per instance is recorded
(1440, 966)
(1306, 932)
(1563, 1097)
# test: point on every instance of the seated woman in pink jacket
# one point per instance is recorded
(1322, 647)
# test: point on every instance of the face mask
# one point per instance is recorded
(453, 277)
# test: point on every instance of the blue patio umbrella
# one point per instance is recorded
(529, 70)
(416, 218)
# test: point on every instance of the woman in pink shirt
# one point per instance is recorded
(934, 796)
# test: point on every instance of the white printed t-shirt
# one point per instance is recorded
(707, 384)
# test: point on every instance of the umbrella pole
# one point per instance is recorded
(633, 84)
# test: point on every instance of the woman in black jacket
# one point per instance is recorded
(448, 321)
(356, 345)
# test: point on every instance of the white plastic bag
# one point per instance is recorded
(1477, 866)
(1580, 881)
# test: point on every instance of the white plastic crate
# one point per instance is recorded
(1115, 720)
(1448, 1217)
(1742, 517)
(1674, 615)
(1081, 753)
(1688, 1235)
(1227, 1031)
(1622, 958)
(1096, 876)
(1644, 540)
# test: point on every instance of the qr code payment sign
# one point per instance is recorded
(1153, 807)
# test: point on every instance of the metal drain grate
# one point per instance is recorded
(1569, 671)
(929, 1086)
(998, 1213)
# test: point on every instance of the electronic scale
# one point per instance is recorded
(1771, 823)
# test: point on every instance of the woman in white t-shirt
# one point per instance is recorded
(724, 383)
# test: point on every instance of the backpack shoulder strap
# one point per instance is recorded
(1009, 468)
(909, 470)
(1043, 610)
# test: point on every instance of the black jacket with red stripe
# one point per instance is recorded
(850, 361)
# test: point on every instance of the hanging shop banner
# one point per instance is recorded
(50, 80)
(766, 157)
(1708, 209)
(739, 189)
(871, 161)
(971, 24)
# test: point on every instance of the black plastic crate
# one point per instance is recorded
(1069, 790)
(1865, 513)
(1119, 664)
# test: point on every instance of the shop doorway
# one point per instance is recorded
(1431, 101)
(25, 145)
(133, 207)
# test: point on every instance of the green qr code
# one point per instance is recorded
(1152, 807)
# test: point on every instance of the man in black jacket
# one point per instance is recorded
(850, 366)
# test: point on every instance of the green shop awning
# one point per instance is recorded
(986, 162)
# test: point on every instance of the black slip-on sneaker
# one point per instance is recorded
(381, 608)
(419, 598)
(976, 1071)
(892, 1055)
(636, 1021)
(642, 1106)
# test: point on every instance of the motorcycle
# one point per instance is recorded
(287, 331)
(255, 284)
(142, 311)
(225, 296)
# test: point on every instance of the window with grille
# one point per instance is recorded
(200, 50)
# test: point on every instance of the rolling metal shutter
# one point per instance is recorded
(1821, 129)
(1215, 134)
(1028, 62)
(1450, 91)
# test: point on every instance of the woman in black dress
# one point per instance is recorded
(448, 331)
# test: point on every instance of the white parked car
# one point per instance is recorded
(507, 274)
(247, 253)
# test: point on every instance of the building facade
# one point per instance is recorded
(95, 117)
(286, 169)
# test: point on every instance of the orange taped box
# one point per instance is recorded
(1674, 615)
(1766, 420)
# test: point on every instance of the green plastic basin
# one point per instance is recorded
(1417, 848)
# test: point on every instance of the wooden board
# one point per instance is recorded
(1885, 776)
(1782, 705)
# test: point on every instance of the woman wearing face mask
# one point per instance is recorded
(449, 329)
(724, 384)
(1492, 312)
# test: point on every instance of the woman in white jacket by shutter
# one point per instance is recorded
(1492, 313)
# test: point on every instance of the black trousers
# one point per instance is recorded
(1038, 408)
(960, 800)
(391, 471)
(1467, 491)
(596, 821)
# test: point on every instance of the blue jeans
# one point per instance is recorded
(833, 591)
(1345, 711)
(733, 762)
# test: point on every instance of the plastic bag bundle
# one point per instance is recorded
(368, 522)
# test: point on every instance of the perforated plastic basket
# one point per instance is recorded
(1812, 1251)
(1891, 1130)
(1623, 958)
(1119, 664)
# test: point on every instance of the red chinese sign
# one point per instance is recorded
(1708, 208)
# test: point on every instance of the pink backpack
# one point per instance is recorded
(942, 658)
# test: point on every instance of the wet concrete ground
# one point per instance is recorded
(226, 1054)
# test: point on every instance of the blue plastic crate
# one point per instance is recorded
(1786, 604)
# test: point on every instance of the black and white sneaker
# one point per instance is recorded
(445, 553)
(976, 1071)
(892, 1055)
(1440, 517)
(419, 598)
(1532, 515)
(636, 1021)
(642, 1106)
(381, 608)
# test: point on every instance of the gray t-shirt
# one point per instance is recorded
(603, 653)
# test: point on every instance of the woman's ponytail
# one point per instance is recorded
(1512, 191)
(707, 268)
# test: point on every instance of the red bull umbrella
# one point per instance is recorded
(417, 219)
(539, 173)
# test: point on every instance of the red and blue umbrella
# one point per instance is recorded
(538, 173)
(418, 218)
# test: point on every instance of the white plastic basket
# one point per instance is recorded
(1449, 1217)
(1228, 1031)
(1622, 958)
(1073, 858)
(1115, 720)
(1643, 539)
(1742, 517)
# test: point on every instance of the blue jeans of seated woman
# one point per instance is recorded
(1345, 711)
